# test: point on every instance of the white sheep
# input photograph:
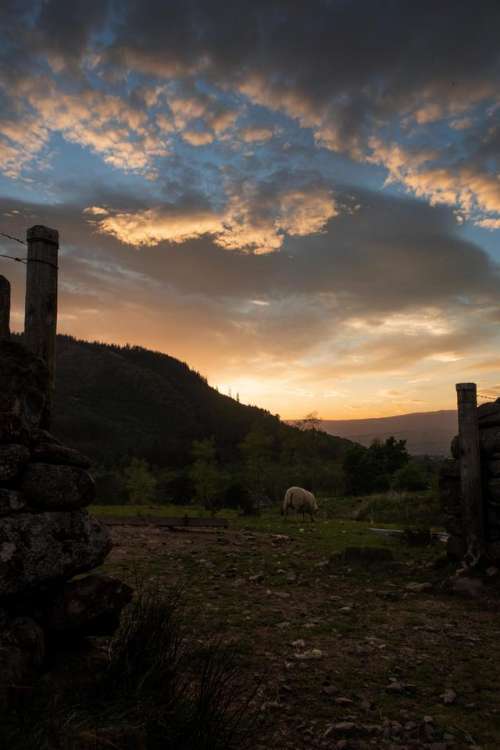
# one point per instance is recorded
(300, 500)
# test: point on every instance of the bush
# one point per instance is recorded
(410, 478)
(422, 509)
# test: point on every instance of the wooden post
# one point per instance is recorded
(470, 472)
(40, 317)
(4, 308)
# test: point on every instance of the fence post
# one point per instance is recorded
(470, 472)
(4, 308)
(40, 317)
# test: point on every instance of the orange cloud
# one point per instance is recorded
(248, 222)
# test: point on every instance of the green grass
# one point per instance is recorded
(391, 508)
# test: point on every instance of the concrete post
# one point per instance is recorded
(470, 472)
(4, 308)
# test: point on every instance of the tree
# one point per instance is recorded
(310, 422)
(358, 471)
(139, 482)
(257, 452)
(410, 478)
(205, 474)
(368, 470)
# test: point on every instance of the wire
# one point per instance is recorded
(10, 237)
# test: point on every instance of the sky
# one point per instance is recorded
(299, 199)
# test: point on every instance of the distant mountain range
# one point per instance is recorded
(425, 432)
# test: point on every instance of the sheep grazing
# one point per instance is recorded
(300, 500)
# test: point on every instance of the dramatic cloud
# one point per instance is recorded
(302, 200)
(250, 221)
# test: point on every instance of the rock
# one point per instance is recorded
(11, 502)
(395, 686)
(258, 578)
(489, 414)
(22, 650)
(466, 586)
(313, 653)
(87, 606)
(492, 571)
(28, 635)
(330, 690)
(49, 487)
(298, 644)
(23, 384)
(343, 701)
(53, 453)
(46, 547)
(280, 538)
(489, 439)
(12, 459)
(39, 436)
(418, 588)
(449, 697)
(344, 727)
(13, 429)
(367, 554)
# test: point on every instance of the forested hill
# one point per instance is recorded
(116, 402)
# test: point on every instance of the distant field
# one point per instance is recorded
(407, 509)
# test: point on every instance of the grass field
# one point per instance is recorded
(343, 654)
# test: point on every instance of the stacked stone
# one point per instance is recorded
(46, 536)
(449, 485)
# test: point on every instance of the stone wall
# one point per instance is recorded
(449, 485)
(46, 535)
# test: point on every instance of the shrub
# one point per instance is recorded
(155, 686)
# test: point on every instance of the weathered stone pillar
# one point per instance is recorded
(40, 318)
(4, 308)
(470, 473)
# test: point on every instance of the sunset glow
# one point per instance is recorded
(300, 200)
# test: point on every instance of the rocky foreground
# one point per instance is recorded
(46, 536)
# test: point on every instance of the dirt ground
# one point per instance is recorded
(341, 653)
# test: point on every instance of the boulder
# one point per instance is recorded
(24, 383)
(22, 650)
(11, 501)
(12, 459)
(489, 414)
(50, 487)
(43, 548)
(39, 436)
(87, 606)
(54, 453)
(489, 440)
(13, 429)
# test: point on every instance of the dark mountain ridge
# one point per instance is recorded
(114, 402)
